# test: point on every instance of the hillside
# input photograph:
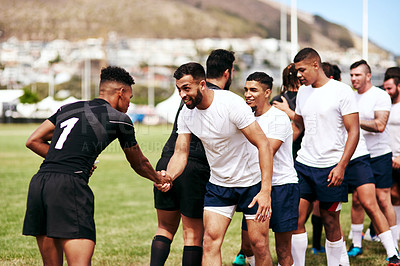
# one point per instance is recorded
(79, 19)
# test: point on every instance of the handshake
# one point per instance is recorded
(165, 181)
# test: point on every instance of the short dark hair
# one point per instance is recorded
(117, 74)
(336, 72)
(328, 70)
(261, 77)
(393, 73)
(218, 61)
(194, 69)
(360, 63)
(307, 53)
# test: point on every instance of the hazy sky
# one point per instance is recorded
(383, 18)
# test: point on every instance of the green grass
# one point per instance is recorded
(125, 216)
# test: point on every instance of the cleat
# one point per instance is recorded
(369, 237)
(394, 261)
(239, 260)
(354, 251)
(318, 251)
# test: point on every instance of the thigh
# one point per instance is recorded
(258, 231)
(215, 226)
(285, 207)
(70, 207)
(382, 169)
(168, 223)
(192, 188)
(193, 231)
(35, 215)
(78, 251)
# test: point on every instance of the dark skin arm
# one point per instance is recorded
(256, 136)
(142, 166)
(351, 123)
(38, 142)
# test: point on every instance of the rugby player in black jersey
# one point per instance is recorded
(60, 205)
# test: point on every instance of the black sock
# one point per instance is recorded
(372, 229)
(317, 231)
(159, 250)
(192, 255)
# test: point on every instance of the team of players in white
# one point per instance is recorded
(234, 162)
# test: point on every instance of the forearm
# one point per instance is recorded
(349, 148)
(38, 147)
(371, 125)
(176, 165)
(265, 159)
(145, 169)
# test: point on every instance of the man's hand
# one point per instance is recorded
(165, 181)
(396, 163)
(336, 176)
(264, 210)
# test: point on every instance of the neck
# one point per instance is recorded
(321, 81)
(208, 96)
(396, 100)
(262, 109)
(365, 88)
(110, 99)
(218, 81)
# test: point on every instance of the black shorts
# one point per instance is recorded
(396, 176)
(60, 206)
(382, 169)
(187, 192)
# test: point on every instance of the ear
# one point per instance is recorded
(315, 64)
(267, 93)
(226, 74)
(202, 84)
(121, 91)
(369, 76)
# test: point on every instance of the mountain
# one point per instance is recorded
(193, 19)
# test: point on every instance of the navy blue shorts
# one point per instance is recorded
(314, 185)
(382, 169)
(60, 206)
(359, 172)
(285, 207)
(187, 192)
(241, 197)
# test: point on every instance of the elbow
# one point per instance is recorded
(380, 128)
(29, 143)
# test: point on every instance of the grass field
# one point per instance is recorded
(125, 216)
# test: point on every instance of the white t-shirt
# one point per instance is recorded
(276, 125)
(393, 127)
(361, 148)
(232, 162)
(322, 110)
(370, 101)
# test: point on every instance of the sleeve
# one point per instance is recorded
(126, 133)
(182, 126)
(383, 102)
(297, 110)
(239, 112)
(280, 127)
(348, 104)
(53, 118)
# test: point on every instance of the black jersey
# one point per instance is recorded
(82, 131)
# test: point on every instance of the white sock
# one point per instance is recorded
(387, 242)
(299, 247)
(357, 234)
(395, 234)
(251, 260)
(344, 257)
(333, 251)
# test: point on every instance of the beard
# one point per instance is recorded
(228, 82)
(195, 101)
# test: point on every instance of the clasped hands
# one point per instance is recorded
(165, 181)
